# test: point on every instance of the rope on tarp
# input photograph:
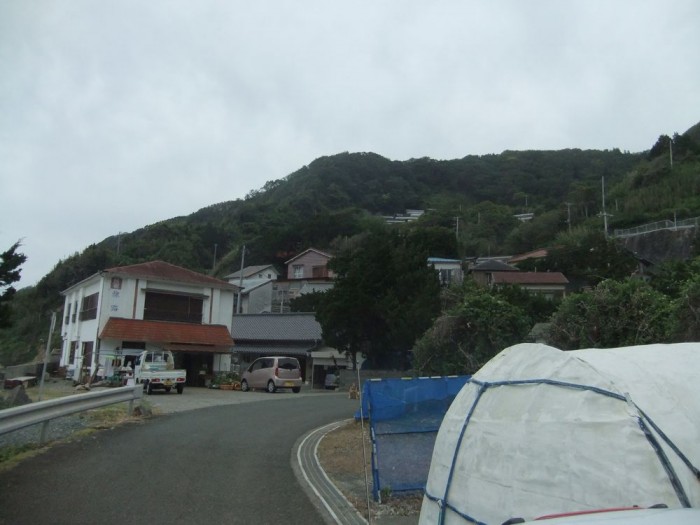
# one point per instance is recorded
(642, 420)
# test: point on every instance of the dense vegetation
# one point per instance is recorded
(470, 201)
(10, 262)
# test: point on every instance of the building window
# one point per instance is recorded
(445, 276)
(87, 354)
(116, 283)
(172, 307)
(298, 270)
(75, 311)
(89, 307)
(319, 272)
(68, 313)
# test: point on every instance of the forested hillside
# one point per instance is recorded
(471, 201)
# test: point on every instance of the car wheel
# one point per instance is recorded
(296, 389)
(179, 388)
(271, 386)
(244, 386)
(149, 388)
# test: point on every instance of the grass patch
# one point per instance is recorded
(13, 455)
(109, 416)
(95, 420)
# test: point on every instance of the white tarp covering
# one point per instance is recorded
(540, 431)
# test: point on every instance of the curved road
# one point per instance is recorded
(224, 464)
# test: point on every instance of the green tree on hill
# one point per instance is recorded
(614, 313)
(470, 333)
(385, 296)
(10, 273)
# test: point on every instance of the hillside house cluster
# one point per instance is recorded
(114, 315)
(214, 326)
(493, 272)
(500, 271)
(264, 290)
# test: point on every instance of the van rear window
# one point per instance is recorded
(288, 364)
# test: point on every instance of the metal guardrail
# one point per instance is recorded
(659, 225)
(43, 412)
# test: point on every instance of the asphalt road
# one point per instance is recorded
(224, 464)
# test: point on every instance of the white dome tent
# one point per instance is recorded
(539, 431)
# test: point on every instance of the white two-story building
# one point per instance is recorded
(112, 316)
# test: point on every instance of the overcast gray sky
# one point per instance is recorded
(118, 114)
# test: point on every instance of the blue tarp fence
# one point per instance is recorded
(404, 417)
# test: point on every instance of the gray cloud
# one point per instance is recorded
(117, 115)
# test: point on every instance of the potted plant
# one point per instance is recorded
(230, 382)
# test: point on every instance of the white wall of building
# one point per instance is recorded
(125, 297)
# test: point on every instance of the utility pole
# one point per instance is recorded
(240, 282)
(47, 352)
(456, 227)
(213, 266)
(568, 215)
(670, 151)
(605, 214)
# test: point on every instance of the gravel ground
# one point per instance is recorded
(342, 457)
(58, 429)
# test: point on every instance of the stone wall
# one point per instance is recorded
(663, 245)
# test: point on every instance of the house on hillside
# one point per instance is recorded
(306, 272)
(257, 288)
(498, 273)
(265, 290)
(261, 271)
(548, 284)
(483, 272)
(403, 218)
(309, 264)
(449, 270)
(112, 316)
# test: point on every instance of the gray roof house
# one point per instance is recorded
(292, 334)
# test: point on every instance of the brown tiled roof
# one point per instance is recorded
(529, 278)
(212, 336)
(168, 272)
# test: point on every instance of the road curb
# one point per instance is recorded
(323, 493)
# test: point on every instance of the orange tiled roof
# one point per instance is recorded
(164, 332)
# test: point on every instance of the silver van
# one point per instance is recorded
(272, 373)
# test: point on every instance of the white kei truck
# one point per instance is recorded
(155, 369)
